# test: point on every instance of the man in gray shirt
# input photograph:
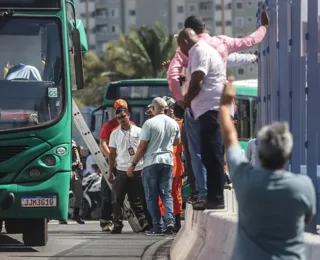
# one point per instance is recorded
(157, 137)
(274, 204)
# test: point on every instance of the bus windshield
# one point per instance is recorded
(138, 95)
(31, 78)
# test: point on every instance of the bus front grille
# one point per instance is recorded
(7, 152)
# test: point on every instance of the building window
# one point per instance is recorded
(114, 12)
(114, 29)
(205, 6)
(92, 47)
(239, 22)
(249, 20)
(229, 6)
(102, 12)
(239, 5)
(83, 16)
(239, 36)
(180, 25)
(218, 23)
(249, 3)
(180, 9)
(192, 8)
(132, 12)
(101, 28)
(228, 23)
(218, 7)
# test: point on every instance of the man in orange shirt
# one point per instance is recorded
(178, 170)
(106, 130)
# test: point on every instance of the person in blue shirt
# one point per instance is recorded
(274, 204)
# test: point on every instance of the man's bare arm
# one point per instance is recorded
(176, 141)
(104, 147)
(112, 159)
(228, 130)
(142, 148)
(194, 86)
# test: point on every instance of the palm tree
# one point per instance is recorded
(95, 82)
(140, 53)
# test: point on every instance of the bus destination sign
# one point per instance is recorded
(30, 4)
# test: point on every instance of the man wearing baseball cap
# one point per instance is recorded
(106, 130)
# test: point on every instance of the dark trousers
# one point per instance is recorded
(212, 155)
(188, 165)
(123, 185)
(106, 207)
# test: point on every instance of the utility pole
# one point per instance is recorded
(223, 29)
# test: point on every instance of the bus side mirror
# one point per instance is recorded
(106, 116)
(78, 62)
(83, 36)
(93, 123)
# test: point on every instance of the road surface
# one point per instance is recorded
(87, 242)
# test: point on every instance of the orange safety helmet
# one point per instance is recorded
(120, 103)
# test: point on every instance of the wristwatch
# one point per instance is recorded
(133, 164)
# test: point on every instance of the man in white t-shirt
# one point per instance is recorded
(123, 145)
(207, 74)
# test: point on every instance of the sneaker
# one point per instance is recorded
(169, 230)
(107, 227)
(154, 232)
(214, 205)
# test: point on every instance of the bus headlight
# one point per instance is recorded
(49, 160)
(61, 150)
(34, 173)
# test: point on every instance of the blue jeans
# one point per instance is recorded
(193, 134)
(157, 181)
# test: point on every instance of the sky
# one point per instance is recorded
(304, 9)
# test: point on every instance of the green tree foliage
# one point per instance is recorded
(95, 81)
(140, 53)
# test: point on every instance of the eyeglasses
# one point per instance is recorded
(120, 117)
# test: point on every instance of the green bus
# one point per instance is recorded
(140, 92)
(41, 50)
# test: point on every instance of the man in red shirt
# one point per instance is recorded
(106, 130)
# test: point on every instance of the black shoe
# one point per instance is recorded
(78, 219)
(200, 204)
(192, 199)
(215, 205)
(117, 228)
(63, 222)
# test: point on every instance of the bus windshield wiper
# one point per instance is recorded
(5, 15)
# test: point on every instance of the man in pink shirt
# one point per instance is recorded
(206, 185)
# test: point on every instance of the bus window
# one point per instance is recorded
(254, 118)
(138, 91)
(243, 125)
(137, 115)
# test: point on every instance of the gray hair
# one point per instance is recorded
(275, 144)
(159, 104)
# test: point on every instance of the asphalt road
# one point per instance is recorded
(73, 241)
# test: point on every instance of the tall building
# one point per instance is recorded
(86, 12)
(106, 19)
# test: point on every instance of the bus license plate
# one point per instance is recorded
(38, 201)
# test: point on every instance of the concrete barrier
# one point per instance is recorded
(211, 234)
